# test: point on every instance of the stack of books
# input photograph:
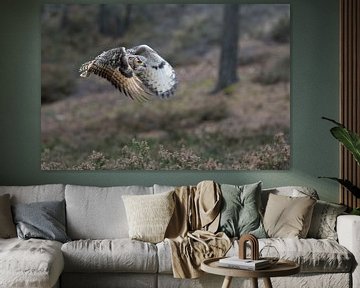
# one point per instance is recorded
(248, 264)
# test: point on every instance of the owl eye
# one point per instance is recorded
(138, 61)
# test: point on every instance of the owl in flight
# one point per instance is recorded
(137, 72)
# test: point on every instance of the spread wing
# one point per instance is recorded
(137, 72)
(158, 76)
(129, 86)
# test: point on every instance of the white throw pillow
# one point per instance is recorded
(149, 215)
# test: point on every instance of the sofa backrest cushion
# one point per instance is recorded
(36, 193)
(98, 212)
(163, 188)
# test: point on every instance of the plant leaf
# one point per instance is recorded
(349, 139)
(347, 184)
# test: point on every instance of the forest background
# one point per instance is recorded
(231, 110)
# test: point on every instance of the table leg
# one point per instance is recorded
(254, 282)
(227, 282)
(267, 283)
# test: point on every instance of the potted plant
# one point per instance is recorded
(351, 141)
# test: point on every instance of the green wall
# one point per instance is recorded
(314, 93)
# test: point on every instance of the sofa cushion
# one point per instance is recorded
(36, 193)
(43, 220)
(240, 210)
(323, 222)
(313, 255)
(98, 213)
(149, 215)
(30, 263)
(109, 280)
(116, 255)
(7, 226)
(287, 216)
(291, 191)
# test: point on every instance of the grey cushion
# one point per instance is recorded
(117, 255)
(44, 220)
(98, 213)
(31, 263)
(7, 227)
(240, 213)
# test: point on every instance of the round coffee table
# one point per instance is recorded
(281, 268)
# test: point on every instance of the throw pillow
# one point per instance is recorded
(44, 220)
(240, 213)
(288, 217)
(7, 226)
(323, 223)
(149, 215)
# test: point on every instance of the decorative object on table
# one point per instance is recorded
(351, 142)
(269, 253)
(247, 264)
(241, 261)
(254, 246)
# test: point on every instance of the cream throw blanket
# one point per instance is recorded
(191, 231)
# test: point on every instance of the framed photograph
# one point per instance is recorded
(165, 87)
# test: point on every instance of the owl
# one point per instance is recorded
(138, 72)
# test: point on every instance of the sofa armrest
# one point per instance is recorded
(348, 230)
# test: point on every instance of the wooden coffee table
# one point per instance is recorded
(281, 268)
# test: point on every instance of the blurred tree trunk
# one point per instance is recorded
(127, 17)
(64, 23)
(123, 22)
(229, 47)
(103, 20)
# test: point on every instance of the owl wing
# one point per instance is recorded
(158, 76)
(117, 73)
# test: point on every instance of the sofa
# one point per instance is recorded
(100, 253)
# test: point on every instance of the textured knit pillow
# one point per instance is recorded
(323, 222)
(7, 226)
(149, 215)
(288, 217)
(240, 210)
(43, 220)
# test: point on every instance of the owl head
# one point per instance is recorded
(136, 62)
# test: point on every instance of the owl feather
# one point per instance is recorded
(137, 72)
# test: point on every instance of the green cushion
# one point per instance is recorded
(240, 213)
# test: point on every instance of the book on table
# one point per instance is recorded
(236, 262)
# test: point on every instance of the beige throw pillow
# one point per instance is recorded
(7, 226)
(149, 215)
(288, 217)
